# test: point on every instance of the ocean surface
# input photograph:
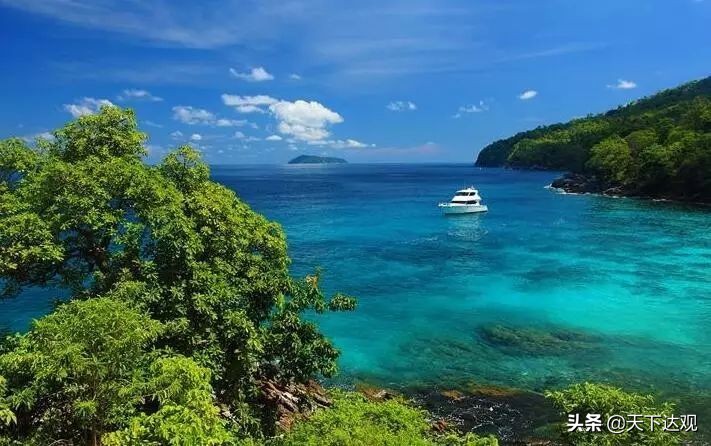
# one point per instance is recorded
(543, 290)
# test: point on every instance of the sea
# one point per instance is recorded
(544, 290)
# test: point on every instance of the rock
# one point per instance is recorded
(375, 393)
(578, 183)
(291, 401)
(453, 394)
(440, 426)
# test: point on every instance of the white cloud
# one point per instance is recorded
(248, 104)
(196, 137)
(623, 85)
(473, 108)
(238, 135)
(273, 138)
(153, 124)
(222, 122)
(258, 74)
(306, 121)
(191, 115)
(340, 144)
(401, 106)
(295, 77)
(528, 94)
(139, 95)
(177, 134)
(86, 106)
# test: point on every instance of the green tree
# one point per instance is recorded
(90, 216)
(611, 158)
(88, 374)
(69, 373)
(588, 398)
(639, 139)
(186, 413)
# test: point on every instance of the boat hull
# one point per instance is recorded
(462, 209)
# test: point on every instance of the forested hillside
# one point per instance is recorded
(658, 146)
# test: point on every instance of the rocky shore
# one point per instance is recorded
(516, 417)
(577, 183)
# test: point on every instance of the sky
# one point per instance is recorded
(263, 81)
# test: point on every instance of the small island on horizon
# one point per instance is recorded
(314, 159)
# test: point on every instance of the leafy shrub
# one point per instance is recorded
(589, 398)
(354, 420)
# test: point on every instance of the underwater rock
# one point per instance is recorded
(536, 341)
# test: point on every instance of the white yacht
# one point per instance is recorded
(465, 201)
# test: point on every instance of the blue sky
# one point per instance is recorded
(372, 81)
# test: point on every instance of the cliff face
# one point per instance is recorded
(659, 146)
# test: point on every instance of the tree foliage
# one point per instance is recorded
(87, 374)
(657, 146)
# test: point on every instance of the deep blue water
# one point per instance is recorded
(616, 290)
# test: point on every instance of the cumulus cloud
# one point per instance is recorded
(258, 74)
(401, 106)
(196, 137)
(248, 104)
(623, 85)
(528, 94)
(306, 121)
(298, 120)
(238, 135)
(473, 108)
(138, 95)
(295, 77)
(86, 106)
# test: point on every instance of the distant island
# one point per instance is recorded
(656, 147)
(313, 159)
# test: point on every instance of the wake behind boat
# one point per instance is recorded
(465, 201)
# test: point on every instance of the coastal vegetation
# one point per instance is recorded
(659, 146)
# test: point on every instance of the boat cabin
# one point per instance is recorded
(466, 196)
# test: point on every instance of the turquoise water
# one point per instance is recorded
(630, 279)
(595, 288)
